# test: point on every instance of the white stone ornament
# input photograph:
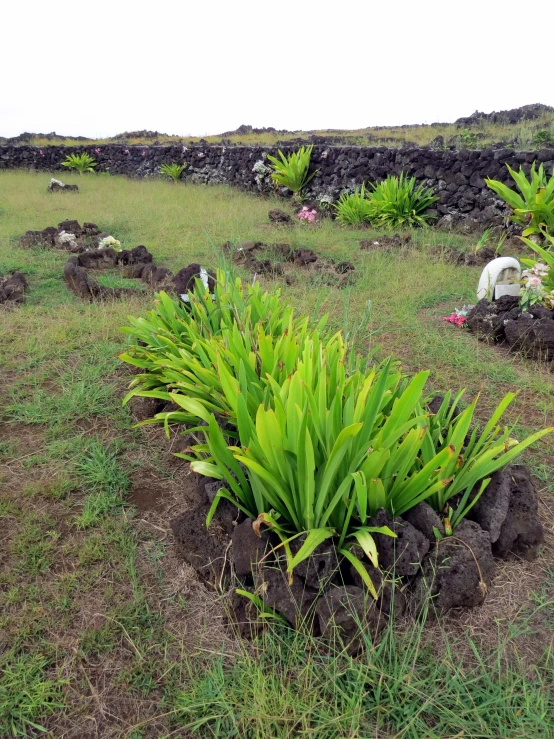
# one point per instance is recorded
(500, 277)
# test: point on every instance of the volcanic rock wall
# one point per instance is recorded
(458, 177)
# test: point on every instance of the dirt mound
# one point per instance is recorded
(13, 288)
(395, 241)
(279, 217)
(456, 256)
(455, 571)
(137, 263)
(529, 332)
(284, 260)
(69, 235)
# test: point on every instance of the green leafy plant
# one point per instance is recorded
(544, 137)
(173, 170)
(80, 162)
(397, 201)
(179, 347)
(467, 138)
(308, 440)
(482, 241)
(478, 452)
(538, 278)
(352, 209)
(328, 449)
(292, 171)
(534, 207)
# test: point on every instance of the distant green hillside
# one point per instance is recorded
(531, 126)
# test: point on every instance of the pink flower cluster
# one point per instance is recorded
(126, 151)
(307, 215)
(41, 152)
(455, 318)
(459, 317)
(532, 278)
(97, 151)
(143, 153)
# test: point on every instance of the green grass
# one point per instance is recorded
(27, 693)
(100, 625)
(522, 133)
(101, 473)
(291, 685)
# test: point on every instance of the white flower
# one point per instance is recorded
(261, 168)
(66, 238)
(109, 241)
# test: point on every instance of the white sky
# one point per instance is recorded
(100, 68)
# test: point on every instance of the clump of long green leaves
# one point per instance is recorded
(398, 201)
(534, 207)
(353, 209)
(292, 171)
(327, 449)
(306, 437)
(80, 162)
(180, 347)
(478, 452)
(173, 170)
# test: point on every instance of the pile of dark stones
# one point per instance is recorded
(13, 287)
(69, 236)
(276, 260)
(456, 571)
(479, 258)
(84, 243)
(137, 263)
(280, 218)
(530, 332)
(58, 186)
(385, 242)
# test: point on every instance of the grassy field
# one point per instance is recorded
(480, 135)
(104, 632)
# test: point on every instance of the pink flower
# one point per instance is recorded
(97, 151)
(41, 152)
(143, 153)
(456, 319)
(126, 151)
(307, 215)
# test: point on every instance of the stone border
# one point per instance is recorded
(458, 177)
(456, 571)
(13, 287)
(502, 321)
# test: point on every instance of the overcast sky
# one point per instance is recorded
(104, 67)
